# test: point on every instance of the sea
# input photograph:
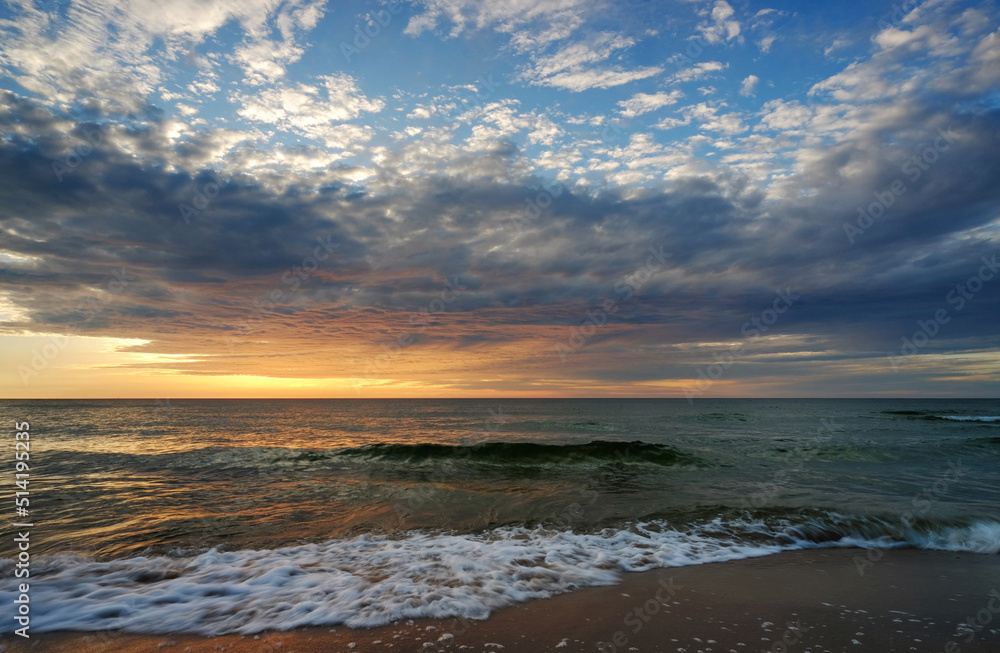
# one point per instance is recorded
(236, 516)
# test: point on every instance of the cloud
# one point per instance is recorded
(556, 18)
(313, 111)
(535, 203)
(110, 49)
(836, 44)
(571, 67)
(719, 25)
(186, 110)
(710, 119)
(986, 61)
(697, 71)
(264, 59)
(748, 85)
(583, 80)
(671, 122)
(641, 103)
(857, 82)
(392, 247)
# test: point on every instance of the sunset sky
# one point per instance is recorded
(510, 198)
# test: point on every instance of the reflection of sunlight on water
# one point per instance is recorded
(130, 478)
(145, 428)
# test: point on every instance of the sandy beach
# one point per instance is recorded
(809, 601)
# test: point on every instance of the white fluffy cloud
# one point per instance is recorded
(697, 71)
(712, 120)
(641, 103)
(748, 85)
(720, 24)
(313, 111)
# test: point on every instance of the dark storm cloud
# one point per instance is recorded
(391, 250)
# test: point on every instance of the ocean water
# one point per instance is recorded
(214, 516)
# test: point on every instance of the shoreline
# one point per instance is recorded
(796, 601)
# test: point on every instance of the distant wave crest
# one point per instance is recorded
(530, 453)
(933, 415)
(511, 456)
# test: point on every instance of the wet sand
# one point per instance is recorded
(801, 602)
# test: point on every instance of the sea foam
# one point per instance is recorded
(374, 580)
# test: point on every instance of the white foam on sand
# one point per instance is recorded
(374, 580)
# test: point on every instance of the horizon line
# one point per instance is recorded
(467, 398)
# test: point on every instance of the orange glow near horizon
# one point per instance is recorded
(110, 368)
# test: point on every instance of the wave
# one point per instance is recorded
(503, 455)
(530, 453)
(857, 451)
(725, 417)
(935, 416)
(373, 580)
(913, 414)
(984, 442)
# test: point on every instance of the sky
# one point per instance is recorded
(513, 198)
